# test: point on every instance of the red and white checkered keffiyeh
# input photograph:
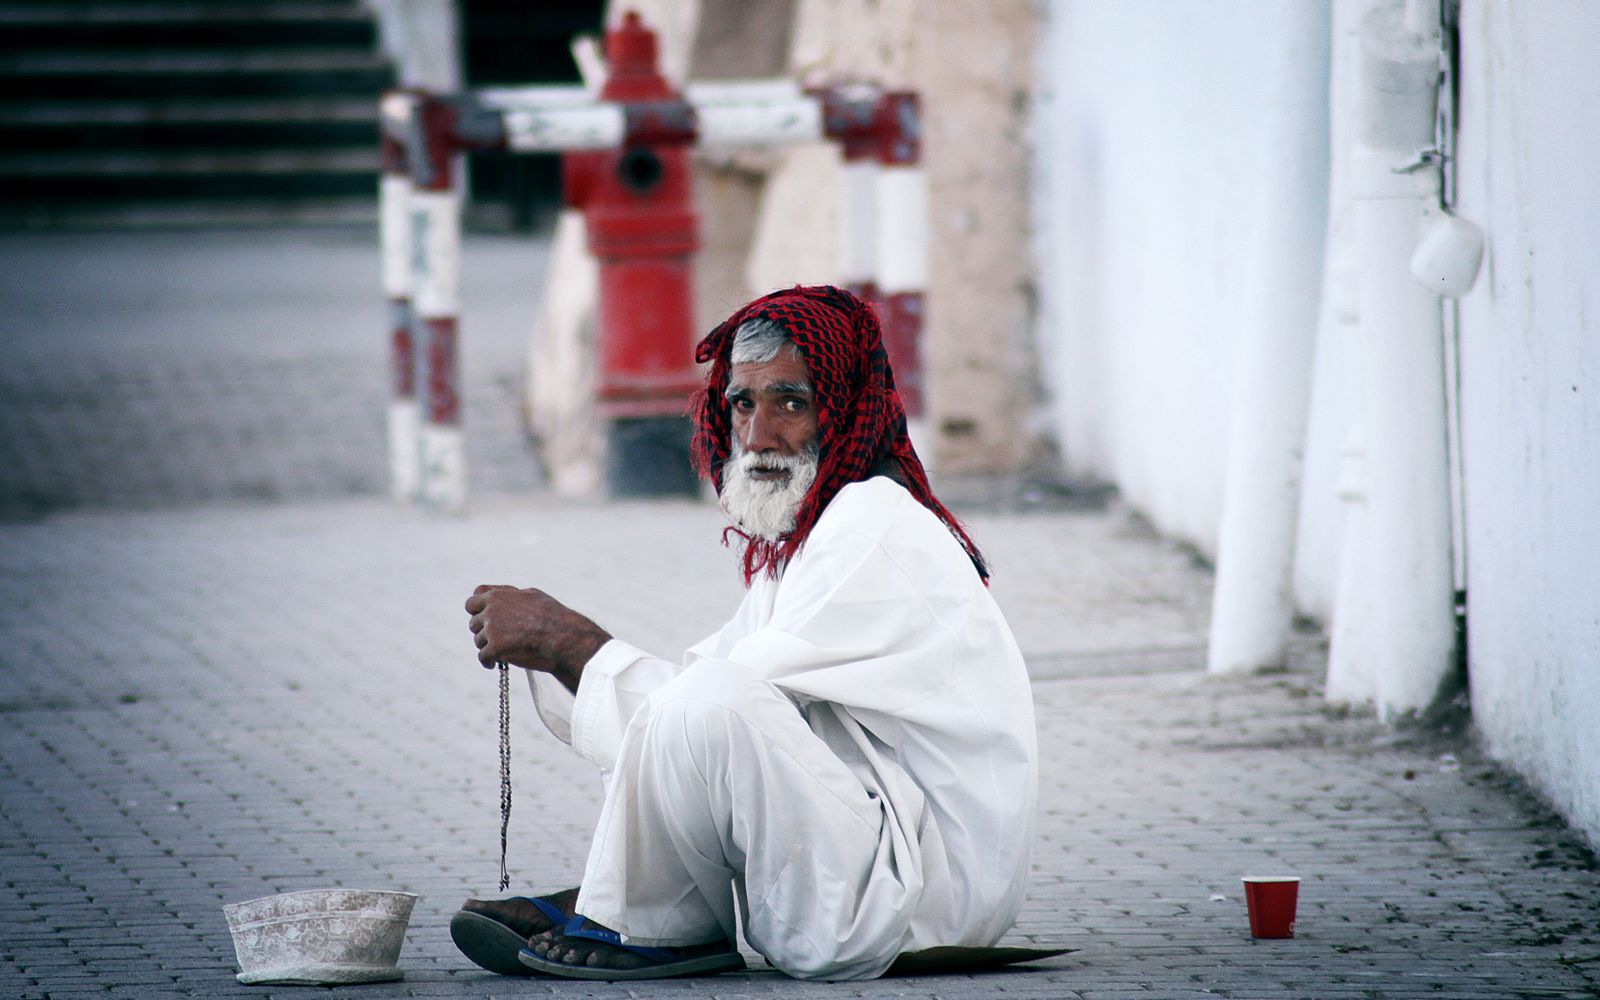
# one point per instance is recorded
(861, 419)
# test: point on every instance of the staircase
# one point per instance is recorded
(129, 113)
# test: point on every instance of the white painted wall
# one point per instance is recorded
(1530, 390)
(1150, 156)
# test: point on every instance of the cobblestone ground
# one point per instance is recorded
(204, 706)
(153, 369)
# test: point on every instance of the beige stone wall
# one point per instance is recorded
(972, 62)
(736, 40)
(974, 68)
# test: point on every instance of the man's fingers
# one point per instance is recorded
(478, 601)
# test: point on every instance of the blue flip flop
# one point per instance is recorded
(493, 945)
(666, 963)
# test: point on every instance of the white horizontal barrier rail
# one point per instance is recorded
(698, 94)
(554, 130)
(765, 121)
(726, 113)
(774, 123)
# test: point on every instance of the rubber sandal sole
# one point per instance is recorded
(703, 965)
(489, 943)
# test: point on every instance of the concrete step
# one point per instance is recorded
(176, 135)
(24, 198)
(57, 12)
(67, 62)
(219, 213)
(243, 137)
(247, 180)
(168, 73)
(188, 111)
(189, 123)
(126, 163)
(122, 113)
(28, 26)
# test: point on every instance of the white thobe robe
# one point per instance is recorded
(852, 757)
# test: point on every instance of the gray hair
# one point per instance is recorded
(758, 341)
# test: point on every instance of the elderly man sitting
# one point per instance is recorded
(849, 765)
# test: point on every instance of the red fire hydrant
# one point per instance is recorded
(638, 203)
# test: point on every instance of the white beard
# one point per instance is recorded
(766, 508)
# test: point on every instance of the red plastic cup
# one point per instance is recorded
(1271, 900)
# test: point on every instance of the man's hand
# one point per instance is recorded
(531, 629)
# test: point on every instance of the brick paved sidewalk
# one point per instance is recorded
(147, 369)
(203, 706)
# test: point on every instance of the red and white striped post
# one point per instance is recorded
(435, 214)
(902, 243)
(394, 235)
(883, 223)
(852, 122)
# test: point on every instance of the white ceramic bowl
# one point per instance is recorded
(320, 936)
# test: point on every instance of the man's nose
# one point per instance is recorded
(760, 432)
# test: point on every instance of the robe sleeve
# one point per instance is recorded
(616, 681)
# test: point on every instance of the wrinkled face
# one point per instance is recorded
(773, 409)
(774, 451)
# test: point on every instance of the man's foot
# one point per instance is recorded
(584, 949)
(492, 931)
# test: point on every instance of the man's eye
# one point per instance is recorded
(794, 404)
(741, 403)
